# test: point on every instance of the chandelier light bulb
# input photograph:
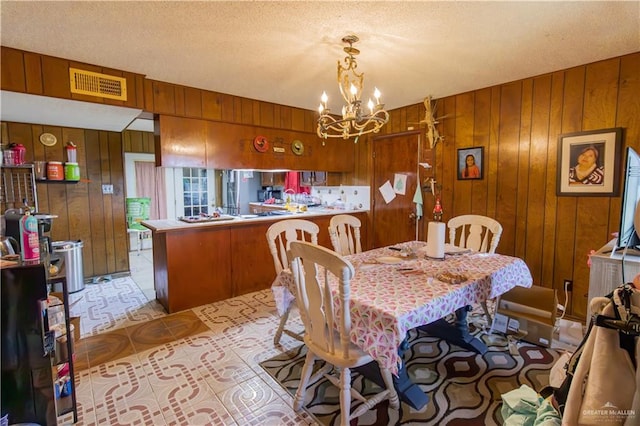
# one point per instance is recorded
(376, 94)
(370, 105)
(324, 98)
(320, 109)
(354, 89)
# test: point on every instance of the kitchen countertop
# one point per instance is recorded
(167, 225)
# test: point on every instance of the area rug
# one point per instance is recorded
(463, 388)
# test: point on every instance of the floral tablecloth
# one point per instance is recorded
(387, 300)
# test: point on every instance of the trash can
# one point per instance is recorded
(72, 253)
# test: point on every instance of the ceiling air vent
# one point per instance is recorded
(96, 84)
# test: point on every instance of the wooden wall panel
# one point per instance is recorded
(33, 73)
(519, 123)
(179, 106)
(549, 266)
(84, 213)
(164, 100)
(480, 135)
(534, 134)
(138, 141)
(13, 74)
(29, 72)
(192, 102)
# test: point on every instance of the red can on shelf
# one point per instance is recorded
(19, 153)
(55, 170)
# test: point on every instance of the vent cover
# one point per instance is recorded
(96, 84)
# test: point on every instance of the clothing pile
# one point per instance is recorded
(602, 385)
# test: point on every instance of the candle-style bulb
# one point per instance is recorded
(320, 109)
(376, 94)
(370, 105)
(324, 98)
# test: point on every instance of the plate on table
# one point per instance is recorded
(389, 260)
(451, 278)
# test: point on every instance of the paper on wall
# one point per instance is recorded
(387, 192)
(400, 183)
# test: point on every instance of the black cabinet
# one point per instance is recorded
(29, 391)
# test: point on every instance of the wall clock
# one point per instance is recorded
(297, 147)
(261, 144)
(47, 139)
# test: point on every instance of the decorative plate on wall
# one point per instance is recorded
(297, 147)
(261, 144)
(47, 139)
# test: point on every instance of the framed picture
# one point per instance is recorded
(471, 163)
(589, 163)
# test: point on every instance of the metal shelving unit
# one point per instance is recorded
(18, 184)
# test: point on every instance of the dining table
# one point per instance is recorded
(398, 288)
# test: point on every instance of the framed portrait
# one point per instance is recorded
(589, 163)
(471, 163)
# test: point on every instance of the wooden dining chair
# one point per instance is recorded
(478, 233)
(344, 231)
(279, 237)
(326, 334)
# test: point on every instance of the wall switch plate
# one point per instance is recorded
(107, 189)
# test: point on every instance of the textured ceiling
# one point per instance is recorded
(286, 52)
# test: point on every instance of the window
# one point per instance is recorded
(195, 191)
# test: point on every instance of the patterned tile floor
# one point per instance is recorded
(135, 365)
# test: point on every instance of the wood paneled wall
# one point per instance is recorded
(518, 125)
(37, 74)
(84, 213)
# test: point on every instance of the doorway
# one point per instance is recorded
(395, 154)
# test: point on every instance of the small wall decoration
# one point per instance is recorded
(471, 163)
(589, 163)
(261, 144)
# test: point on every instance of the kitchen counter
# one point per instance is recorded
(167, 225)
(200, 263)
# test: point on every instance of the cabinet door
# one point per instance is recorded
(320, 178)
(267, 179)
(306, 178)
(279, 178)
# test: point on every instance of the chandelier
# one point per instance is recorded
(355, 121)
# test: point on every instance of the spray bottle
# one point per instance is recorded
(29, 237)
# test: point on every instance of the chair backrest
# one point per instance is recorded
(282, 233)
(344, 231)
(479, 233)
(312, 267)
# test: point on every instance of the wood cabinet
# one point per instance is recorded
(313, 178)
(197, 265)
(273, 178)
(188, 142)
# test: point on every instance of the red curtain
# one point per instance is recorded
(292, 181)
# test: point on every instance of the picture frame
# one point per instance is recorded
(589, 163)
(475, 169)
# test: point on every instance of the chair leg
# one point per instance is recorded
(486, 312)
(394, 402)
(307, 368)
(345, 397)
(283, 320)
